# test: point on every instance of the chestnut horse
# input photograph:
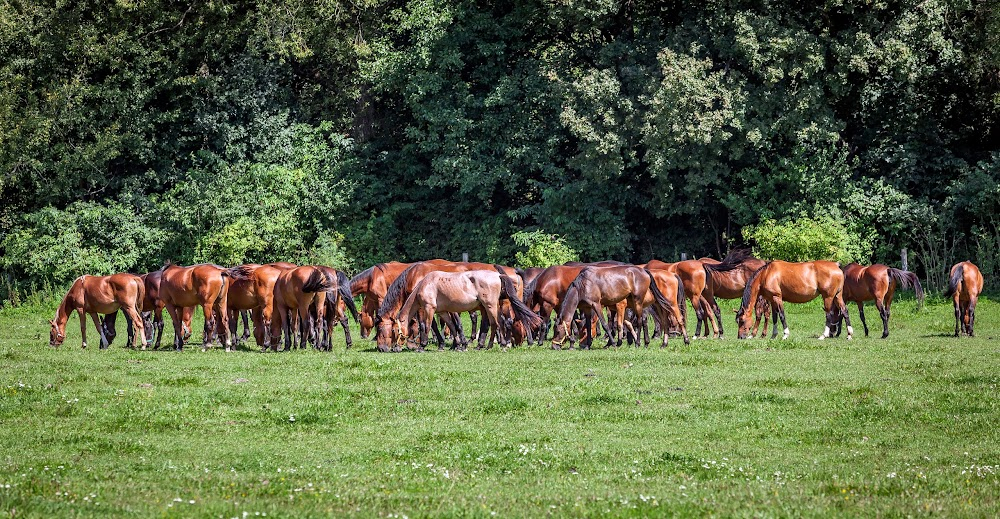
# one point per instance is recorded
(694, 278)
(372, 285)
(780, 281)
(964, 286)
(295, 291)
(674, 314)
(255, 292)
(877, 283)
(95, 295)
(598, 287)
(456, 292)
(205, 285)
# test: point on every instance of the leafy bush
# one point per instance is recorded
(807, 239)
(544, 250)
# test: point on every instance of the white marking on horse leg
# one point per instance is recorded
(785, 336)
(850, 332)
(826, 333)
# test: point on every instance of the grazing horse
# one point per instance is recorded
(672, 315)
(694, 277)
(465, 291)
(877, 283)
(95, 295)
(780, 281)
(964, 286)
(295, 291)
(598, 287)
(255, 292)
(727, 279)
(152, 310)
(372, 285)
(338, 299)
(205, 285)
(545, 293)
(527, 276)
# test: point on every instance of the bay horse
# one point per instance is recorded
(338, 299)
(205, 285)
(693, 276)
(295, 291)
(373, 284)
(152, 310)
(727, 279)
(598, 287)
(965, 283)
(545, 293)
(877, 283)
(671, 315)
(254, 292)
(93, 295)
(779, 281)
(464, 291)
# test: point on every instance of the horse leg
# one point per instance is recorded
(176, 320)
(110, 328)
(436, 328)
(884, 314)
(784, 323)
(83, 327)
(861, 314)
(135, 320)
(206, 340)
(474, 319)
(100, 329)
(158, 327)
(972, 318)
(246, 326)
(717, 311)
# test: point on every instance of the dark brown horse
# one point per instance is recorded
(205, 285)
(338, 299)
(466, 291)
(372, 285)
(964, 286)
(93, 295)
(877, 283)
(596, 288)
(545, 293)
(780, 281)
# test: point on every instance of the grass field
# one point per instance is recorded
(899, 427)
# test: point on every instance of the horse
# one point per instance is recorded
(693, 274)
(95, 295)
(456, 292)
(727, 279)
(964, 286)
(527, 276)
(877, 283)
(295, 291)
(780, 281)
(545, 293)
(205, 285)
(598, 287)
(254, 292)
(373, 284)
(673, 314)
(339, 299)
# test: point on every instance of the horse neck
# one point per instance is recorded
(569, 303)
(754, 287)
(64, 310)
(404, 312)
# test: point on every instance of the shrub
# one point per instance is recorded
(807, 239)
(544, 250)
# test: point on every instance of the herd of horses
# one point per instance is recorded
(406, 304)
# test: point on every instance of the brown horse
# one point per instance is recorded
(205, 285)
(254, 292)
(372, 285)
(693, 276)
(152, 310)
(674, 314)
(964, 286)
(295, 291)
(727, 279)
(877, 283)
(598, 287)
(545, 293)
(338, 299)
(780, 281)
(95, 295)
(465, 291)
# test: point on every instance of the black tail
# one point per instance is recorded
(680, 299)
(732, 260)
(344, 288)
(393, 294)
(318, 281)
(955, 281)
(240, 272)
(908, 280)
(661, 300)
(529, 319)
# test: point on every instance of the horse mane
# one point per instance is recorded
(746, 290)
(364, 276)
(393, 294)
(344, 288)
(529, 288)
(732, 261)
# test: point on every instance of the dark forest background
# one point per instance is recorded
(356, 132)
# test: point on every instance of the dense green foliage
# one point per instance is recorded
(541, 250)
(806, 239)
(907, 426)
(228, 131)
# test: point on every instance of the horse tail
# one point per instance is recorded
(956, 280)
(529, 289)
(344, 288)
(357, 282)
(318, 281)
(240, 272)
(733, 260)
(661, 300)
(908, 280)
(393, 294)
(529, 319)
(680, 298)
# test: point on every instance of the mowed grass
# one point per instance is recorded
(801, 427)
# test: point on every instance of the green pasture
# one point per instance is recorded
(900, 427)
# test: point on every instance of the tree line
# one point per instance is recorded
(350, 133)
